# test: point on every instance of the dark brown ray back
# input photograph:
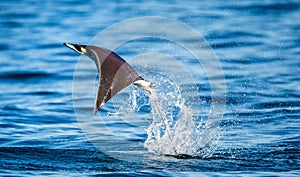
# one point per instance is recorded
(114, 74)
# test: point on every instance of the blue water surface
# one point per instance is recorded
(257, 43)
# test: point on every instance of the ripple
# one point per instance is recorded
(279, 104)
(26, 75)
(4, 47)
(233, 35)
(11, 24)
(30, 158)
(44, 93)
(265, 8)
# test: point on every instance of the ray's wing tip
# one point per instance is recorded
(97, 108)
(66, 44)
(95, 111)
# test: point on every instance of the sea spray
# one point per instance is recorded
(178, 134)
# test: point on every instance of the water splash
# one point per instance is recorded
(179, 133)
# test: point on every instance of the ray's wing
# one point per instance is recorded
(114, 74)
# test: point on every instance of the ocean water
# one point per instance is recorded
(256, 42)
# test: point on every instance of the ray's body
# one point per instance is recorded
(114, 72)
